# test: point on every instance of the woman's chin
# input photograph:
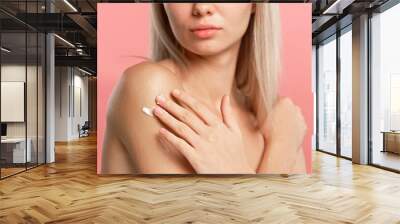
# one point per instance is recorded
(209, 47)
(210, 51)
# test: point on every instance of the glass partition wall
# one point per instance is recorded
(22, 88)
(385, 89)
(345, 93)
(327, 95)
(334, 90)
(334, 94)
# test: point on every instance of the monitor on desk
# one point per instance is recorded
(3, 130)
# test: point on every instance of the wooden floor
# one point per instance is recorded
(69, 191)
(10, 171)
(388, 159)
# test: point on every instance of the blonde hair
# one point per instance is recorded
(258, 62)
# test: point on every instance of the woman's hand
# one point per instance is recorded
(209, 144)
(285, 129)
(286, 123)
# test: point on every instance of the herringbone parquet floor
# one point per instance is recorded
(69, 191)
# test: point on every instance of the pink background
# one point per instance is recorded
(123, 32)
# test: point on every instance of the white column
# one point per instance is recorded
(360, 90)
(50, 100)
(50, 92)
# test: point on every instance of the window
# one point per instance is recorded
(346, 75)
(385, 89)
(327, 95)
(22, 77)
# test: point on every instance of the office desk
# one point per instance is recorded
(13, 150)
(391, 141)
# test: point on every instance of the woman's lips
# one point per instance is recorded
(206, 32)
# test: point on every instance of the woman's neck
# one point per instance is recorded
(211, 77)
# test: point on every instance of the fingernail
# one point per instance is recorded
(160, 99)
(176, 92)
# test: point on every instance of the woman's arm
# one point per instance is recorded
(284, 131)
(300, 164)
(136, 133)
(115, 158)
(282, 159)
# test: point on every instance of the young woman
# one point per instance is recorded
(207, 103)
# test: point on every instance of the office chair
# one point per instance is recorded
(84, 130)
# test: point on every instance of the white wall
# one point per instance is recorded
(61, 103)
(70, 83)
(12, 73)
(80, 83)
(13, 100)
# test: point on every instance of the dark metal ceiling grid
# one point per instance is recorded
(332, 15)
(75, 43)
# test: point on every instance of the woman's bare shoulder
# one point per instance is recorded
(137, 132)
(137, 88)
(153, 75)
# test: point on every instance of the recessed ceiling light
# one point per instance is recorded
(70, 5)
(84, 71)
(5, 50)
(337, 7)
(64, 40)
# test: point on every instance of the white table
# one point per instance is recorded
(18, 149)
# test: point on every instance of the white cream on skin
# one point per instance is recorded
(148, 111)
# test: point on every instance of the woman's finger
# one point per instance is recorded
(203, 112)
(165, 143)
(227, 113)
(182, 114)
(177, 126)
(182, 146)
